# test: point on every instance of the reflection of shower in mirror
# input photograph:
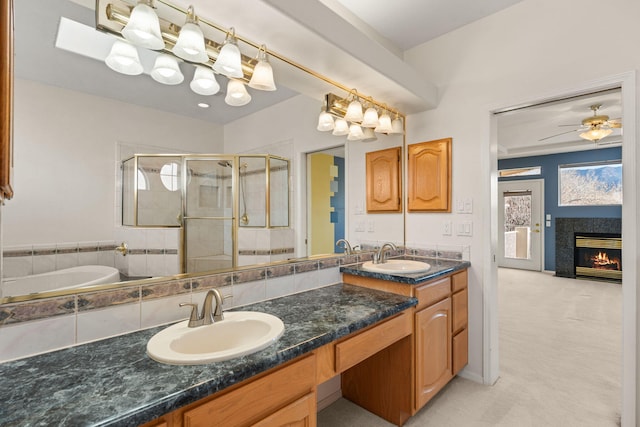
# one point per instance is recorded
(244, 218)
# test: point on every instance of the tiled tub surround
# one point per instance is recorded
(113, 381)
(37, 326)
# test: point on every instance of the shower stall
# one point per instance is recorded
(216, 200)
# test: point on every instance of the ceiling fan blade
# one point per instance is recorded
(615, 123)
(575, 126)
(558, 134)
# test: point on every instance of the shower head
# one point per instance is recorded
(225, 163)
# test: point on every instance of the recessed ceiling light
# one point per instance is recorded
(203, 105)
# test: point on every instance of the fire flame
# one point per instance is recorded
(602, 260)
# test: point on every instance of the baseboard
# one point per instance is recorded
(329, 399)
(471, 376)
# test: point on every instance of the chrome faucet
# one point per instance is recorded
(208, 315)
(380, 257)
(346, 245)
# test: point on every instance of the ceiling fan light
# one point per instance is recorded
(166, 70)
(124, 59)
(355, 133)
(262, 77)
(237, 94)
(143, 28)
(354, 112)
(204, 81)
(384, 125)
(190, 44)
(595, 134)
(370, 119)
(229, 61)
(325, 122)
(341, 127)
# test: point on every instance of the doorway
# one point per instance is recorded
(520, 223)
(627, 81)
(326, 173)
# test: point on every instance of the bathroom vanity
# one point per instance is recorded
(394, 348)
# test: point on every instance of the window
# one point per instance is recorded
(170, 176)
(527, 171)
(590, 184)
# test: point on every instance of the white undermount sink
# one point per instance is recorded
(397, 266)
(239, 334)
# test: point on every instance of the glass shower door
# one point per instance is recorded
(208, 214)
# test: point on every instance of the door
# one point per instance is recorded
(520, 221)
(208, 214)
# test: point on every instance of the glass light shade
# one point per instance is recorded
(340, 127)
(229, 61)
(143, 28)
(237, 94)
(166, 70)
(190, 44)
(355, 133)
(368, 135)
(262, 78)
(384, 125)
(354, 112)
(325, 122)
(595, 134)
(370, 119)
(204, 81)
(396, 125)
(124, 59)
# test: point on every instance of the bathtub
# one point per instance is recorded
(68, 278)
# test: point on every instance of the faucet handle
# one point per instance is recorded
(194, 312)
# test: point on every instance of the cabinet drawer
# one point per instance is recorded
(459, 281)
(460, 311)
(301, 413)
(354, 350)
(433, 292)
(460, 349)
(257, 399)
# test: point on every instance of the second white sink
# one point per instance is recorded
(239, 334)
(397, 266)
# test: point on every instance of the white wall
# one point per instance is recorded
(530, 51)
(292, 124)
(65, 160)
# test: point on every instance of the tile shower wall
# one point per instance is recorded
(153, 252)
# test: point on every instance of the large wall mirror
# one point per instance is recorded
(76, 121)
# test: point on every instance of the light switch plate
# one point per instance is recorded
(465, 228)
(446, 228)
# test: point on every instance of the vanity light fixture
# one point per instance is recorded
(143, 28)
(262, 78)
(203, 105)
(370, 119)
(204, 81)
(190, 44)
(325, 122)
(237, 94)
(229, 62)
(166, 70)
(341, 127)
(354, 110)
(376, 119)
(124, 58)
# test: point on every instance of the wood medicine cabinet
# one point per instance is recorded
(429, 176)
(383, 180)
(6, 97)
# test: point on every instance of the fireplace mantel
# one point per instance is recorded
(565, 238)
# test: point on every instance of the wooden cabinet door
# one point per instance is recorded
(383, 180)
(460, 350)
(429, 176)
(433, 350)
(301, 413)
(460, 310)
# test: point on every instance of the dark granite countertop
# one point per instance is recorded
(439, 267)
(113, 382)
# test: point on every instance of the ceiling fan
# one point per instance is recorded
(593, 128)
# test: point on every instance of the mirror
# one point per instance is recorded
(67, 163)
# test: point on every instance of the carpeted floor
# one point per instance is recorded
(560, 354)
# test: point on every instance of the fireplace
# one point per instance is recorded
(598, 255)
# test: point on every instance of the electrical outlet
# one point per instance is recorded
(371, 226)
(446, 228)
